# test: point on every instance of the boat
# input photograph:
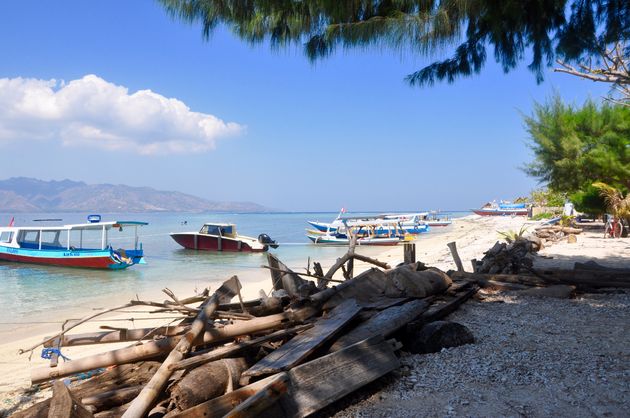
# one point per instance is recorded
(379, 232)
(436, 219)
(79, 245)
(502, 209)
(222, 237)
(334, 239)
(410, 223)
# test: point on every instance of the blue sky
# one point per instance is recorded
(346, 131)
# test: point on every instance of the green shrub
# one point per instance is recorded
(544, 215)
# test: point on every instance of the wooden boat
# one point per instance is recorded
(502, 209)
(379, 232)
(344, 240)
(410, 223)
(436, 219)
(222, 237)
(81, 245)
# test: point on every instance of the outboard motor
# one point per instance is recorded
(266, 239)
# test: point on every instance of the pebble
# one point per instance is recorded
(533, 357)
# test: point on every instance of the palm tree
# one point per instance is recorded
(616, 202)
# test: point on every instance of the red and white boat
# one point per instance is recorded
(222, 237)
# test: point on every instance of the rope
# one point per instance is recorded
(47, 354)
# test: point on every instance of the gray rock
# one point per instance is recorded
(437, 335)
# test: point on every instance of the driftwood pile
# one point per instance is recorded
(554, 233)
(508, 258)
(288, 354)
(510, 267)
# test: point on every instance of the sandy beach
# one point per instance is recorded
(473, 236)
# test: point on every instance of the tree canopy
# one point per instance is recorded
(513, 29)
(576, 147)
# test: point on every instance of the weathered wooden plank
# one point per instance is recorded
(283, 277)
(312, 385)
(64, 405)
(220, 406)
(440, 311)
(383, 323)
(320, 382)
(363, 288)
(300, 347)
(228, 350)
(263, 399)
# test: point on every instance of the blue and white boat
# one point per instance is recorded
(411, 223)
(80, 245)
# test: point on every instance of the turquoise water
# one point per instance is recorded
(32, 293)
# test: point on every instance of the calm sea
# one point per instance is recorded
(32, 293)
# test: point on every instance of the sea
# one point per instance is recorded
(34, 294)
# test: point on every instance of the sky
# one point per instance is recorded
(119, 92)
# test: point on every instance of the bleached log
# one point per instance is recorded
(141, 405)
(206, 382)
(153, 349)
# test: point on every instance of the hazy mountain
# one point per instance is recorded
(22, 194)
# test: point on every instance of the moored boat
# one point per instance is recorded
(78, 245)
(379, 232)
(412, 223)
(222, 237)
(438, 219)
(502, 209)
(334, 239)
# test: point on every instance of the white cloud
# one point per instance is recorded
(93, 112)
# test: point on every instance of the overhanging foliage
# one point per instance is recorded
(547, 29)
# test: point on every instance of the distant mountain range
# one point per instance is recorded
(22, 194)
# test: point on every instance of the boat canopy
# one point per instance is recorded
(89, 226)
(52, 237)
(224, 230)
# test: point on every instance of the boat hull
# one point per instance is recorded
(196, 241)
(438, 223)
(500, 212)
(330, 240)
(94, 259)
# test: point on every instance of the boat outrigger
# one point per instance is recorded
(80, 245)
(379, 232)
(222, 237)
(412, 223)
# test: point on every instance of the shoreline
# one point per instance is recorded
(15, 369)
(473, 235)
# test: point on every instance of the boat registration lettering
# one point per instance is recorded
(70, 254)
(12, 250)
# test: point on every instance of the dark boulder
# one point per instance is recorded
(434, 336)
